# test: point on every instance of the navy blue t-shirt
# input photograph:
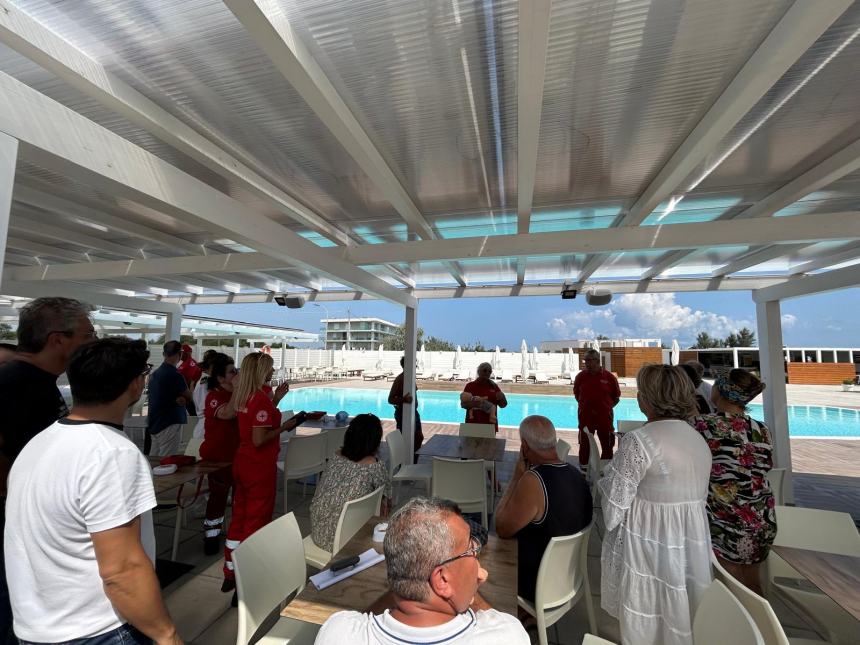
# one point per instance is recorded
(165, 385)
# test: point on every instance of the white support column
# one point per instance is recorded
(200, 349)
(735, 362)
(173, 327)
(817, 355)
(8, 159)
(409, 380)
(850, 355)
(775, 400)
(236, 351)
(284, 357)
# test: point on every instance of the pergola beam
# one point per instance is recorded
(794, 34)
(50, 134)
(844, 253)
(844, 278)
(44, 250)
(69, 236)
(30, 290)
(763, 254)
(33, 40)
(783, 231)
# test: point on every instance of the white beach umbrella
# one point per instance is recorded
(564, 363)
(534, 361)
(458, 358)
(524, 364)
(595, 344)
(343, 355)
(422, 358)
(675, 356)
(497, 359)
(379, 357)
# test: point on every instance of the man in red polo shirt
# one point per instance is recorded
(482, 397)
(597, 392)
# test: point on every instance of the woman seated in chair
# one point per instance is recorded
(354, 472)
(740, 501)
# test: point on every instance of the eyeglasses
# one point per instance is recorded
(146, 370)
(472, 552)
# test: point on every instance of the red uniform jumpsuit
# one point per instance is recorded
(220, 441)
(487, 390)
(596, 395)
(255, 475)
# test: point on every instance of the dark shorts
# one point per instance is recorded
(124, 635)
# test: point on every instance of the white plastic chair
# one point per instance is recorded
(627, 426)
(595, 464)
(334, 441)
(353, 516)
(591, 639)
(265, 578)
(721, 618)
(776, 477)
(563, 449)
(461, 481)
(479, 430)
(541, 377)
(401, 471)
(758, 608)
(305, 456)
(816, 530)
(186, 432)
(562, 581)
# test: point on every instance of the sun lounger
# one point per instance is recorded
(540, 377)
(507, 376)
(374, 375)
(426, 375)
(446, 376)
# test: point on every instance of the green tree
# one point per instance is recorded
(185, 339)
(434, 344)
(602, 337)
(397, 342)
(477, 346)
(705, 341)
(7, 333)
(743, 338)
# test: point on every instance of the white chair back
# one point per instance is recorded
(757, 607)
(817, 530)
(562, 572)
(396, 451)
(305, 455)
(563, 449)
(264, 577)
(591, 639)
(593, 458)
(776, 476)
(480, 430)
(354, 515)
(721, 618)
(186, 432)
(462, 481)
(334, 441)
(627, 426)
(193, 447)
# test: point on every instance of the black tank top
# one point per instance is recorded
(568, 511)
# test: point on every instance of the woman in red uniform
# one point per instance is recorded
(254, 466)
(220, 441)
(482, 397)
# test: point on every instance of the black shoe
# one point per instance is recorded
(212, 545)
(234, 601)
(228, 585)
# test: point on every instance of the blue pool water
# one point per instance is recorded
(804, 421)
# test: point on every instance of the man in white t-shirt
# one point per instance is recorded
(79, 542)
(433, 577)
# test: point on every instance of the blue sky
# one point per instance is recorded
(826, 320)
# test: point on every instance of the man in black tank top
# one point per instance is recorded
(546, 498)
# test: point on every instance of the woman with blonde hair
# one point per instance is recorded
(740, 501)
(255, 471)
(656, 553)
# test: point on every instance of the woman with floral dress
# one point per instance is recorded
(740, 501)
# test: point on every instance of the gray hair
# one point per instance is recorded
(592, 353)
(668, 390)
(483, 365)
(538, 432)
(418, 538)
(696, 365)
(41, 317)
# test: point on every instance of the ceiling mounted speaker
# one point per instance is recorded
(598, 297)
(291, 302)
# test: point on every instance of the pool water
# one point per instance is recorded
(804, 420)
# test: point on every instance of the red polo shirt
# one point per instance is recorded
(485, 390)
(221, 438)
(596, 395)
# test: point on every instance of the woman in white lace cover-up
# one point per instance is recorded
(656, 552)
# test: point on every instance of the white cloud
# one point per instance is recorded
(789, 320)
(645, 315)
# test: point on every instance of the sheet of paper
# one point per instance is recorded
(326, 578)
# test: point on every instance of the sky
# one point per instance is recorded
(824, 320)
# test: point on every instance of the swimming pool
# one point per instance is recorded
(804, 420)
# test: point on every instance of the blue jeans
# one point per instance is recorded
(124, 635)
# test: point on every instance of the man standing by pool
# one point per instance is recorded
(597, 392)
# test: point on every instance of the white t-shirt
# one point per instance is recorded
(705, 390)
(199, 397)
(486, 627)
(72, 479)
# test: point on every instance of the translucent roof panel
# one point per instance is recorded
(627, 81)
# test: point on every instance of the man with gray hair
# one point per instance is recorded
(546, 498)
(433, 576)
(49, 331)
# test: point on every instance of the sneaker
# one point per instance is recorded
(228, 585)
(212, 545)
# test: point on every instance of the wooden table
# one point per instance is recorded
(360, 591)
(183, 474)
(456, 447)
(836, 575)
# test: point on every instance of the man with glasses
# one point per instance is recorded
(597, 392)
(80, 547)
(49, 330)
(433, 577)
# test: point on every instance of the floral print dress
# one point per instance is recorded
(740, 501)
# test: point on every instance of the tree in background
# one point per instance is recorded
(434, 344)
(477, 346)
(704, 341)
(7, 333)
(744, 338)
(397, 342)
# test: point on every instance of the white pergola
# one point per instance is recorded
(154, 155)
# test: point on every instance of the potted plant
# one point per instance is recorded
(847, 384)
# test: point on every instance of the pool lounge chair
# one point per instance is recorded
(540, 377)
(507, 376)
(426, 374)
(446, 376)
(374, 375)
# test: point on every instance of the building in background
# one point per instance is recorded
(358, 333)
